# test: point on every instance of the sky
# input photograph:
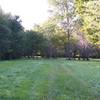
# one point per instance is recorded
(30, 11)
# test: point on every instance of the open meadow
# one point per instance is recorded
(54, 79)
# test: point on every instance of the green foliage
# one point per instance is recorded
(5, 41)
(56, 37)
(50, 37)
(34, 42)
(10, 36)
(91, 20)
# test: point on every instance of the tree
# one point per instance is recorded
(65, 9)
(34, 43)
(90, 14)
(5, 35)
(5, 42)
(56, 38)
(16, 36)
(10, 36)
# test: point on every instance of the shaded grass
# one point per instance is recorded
(49, 80)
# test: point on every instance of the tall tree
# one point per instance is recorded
(16, 36)
(65, 9)
(10, 36)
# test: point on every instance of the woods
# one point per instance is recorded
(73, 31)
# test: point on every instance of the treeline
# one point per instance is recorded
(47, 41)
(16, 43)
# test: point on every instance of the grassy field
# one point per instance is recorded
(49, 80)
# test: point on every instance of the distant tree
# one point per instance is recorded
(10, 36)
(65, 9)
(5, 35)
(5, 42)
(55, 36)
(34, 44)
(16, 36)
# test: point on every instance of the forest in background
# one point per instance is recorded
(73, 30)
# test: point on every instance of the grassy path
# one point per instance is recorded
(49, 80)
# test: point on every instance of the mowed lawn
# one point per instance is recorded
(54, 79)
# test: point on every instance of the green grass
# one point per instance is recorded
(49, 80)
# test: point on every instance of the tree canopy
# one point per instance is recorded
(72, 30)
